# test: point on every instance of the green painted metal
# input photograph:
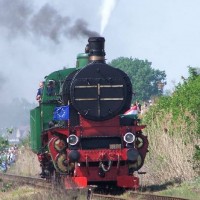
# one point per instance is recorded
(82, 60)
(43, 114)
(50, 102)
(35, 124)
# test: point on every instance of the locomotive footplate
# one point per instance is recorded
(124, 181)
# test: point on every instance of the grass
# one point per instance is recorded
(24, 192)
(17, 193)
(27, 163)
(169, 163)
(171, 151)
(189, 190)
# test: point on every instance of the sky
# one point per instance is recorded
(39, 37)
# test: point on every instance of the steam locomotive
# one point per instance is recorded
(79, 131)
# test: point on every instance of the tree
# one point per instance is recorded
(146, 81)
(185, 99)
(3, 143)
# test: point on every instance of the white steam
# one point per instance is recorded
(105, 12)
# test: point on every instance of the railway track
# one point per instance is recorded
(41, 183)
(147, 196)
(135, 196)
(36, 182)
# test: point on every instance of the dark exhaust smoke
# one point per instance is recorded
(80, 28)
(19, 19)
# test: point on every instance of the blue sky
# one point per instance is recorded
(165, 33)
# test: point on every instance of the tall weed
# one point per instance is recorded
(171, 149)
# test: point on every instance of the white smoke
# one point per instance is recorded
(105, 12)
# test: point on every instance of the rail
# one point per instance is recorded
(42, 183)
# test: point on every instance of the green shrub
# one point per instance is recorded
(173, 129)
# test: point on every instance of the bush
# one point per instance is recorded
(173, 131)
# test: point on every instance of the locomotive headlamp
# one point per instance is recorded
(72, 139)
(129, 137)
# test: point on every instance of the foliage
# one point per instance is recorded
(6, 187)
(196, 159)
(9, 130)
(171, 148)
(185, 99)
(3, 143)
(183, 103)
(145, 80)
(197, 153)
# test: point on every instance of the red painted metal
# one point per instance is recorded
(128, 182)
(87, 169)
(107, 123)
(105, 128)
(92, 173)
(96, 155)
(75, 182)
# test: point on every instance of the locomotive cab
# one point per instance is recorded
(41, 117)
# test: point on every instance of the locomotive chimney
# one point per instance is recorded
(95, 48)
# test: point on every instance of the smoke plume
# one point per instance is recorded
(106, 10)
(19, 19)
